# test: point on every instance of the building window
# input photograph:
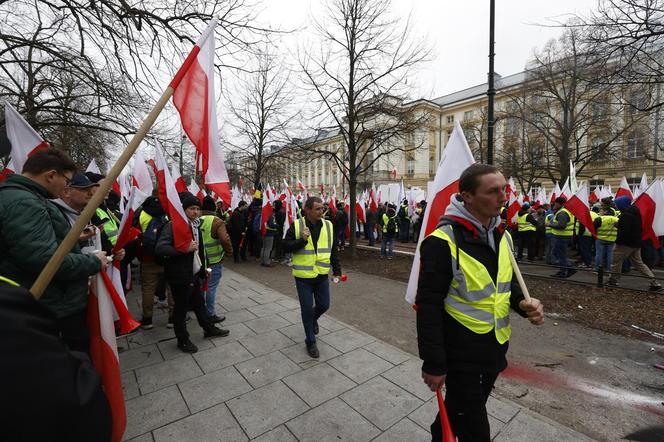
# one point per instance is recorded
(432, 161)
(599, 112)
(410, 166)
(468, 115)
(635, 145)
(511, 127)
(537, 154)
(450, 119)
(594, 184)
(634, 183)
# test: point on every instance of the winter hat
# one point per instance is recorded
(94, 177)
(208, 204)
(560, 200)
(526, 205)
(188, 199)
(623, 202)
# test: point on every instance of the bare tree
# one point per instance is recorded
(358, 78)
(562, 109)
(262, 115)
(629, 36)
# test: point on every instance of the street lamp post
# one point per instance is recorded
(491, 91)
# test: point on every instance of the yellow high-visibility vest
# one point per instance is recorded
(213, 249)
(110, 226)
(474, 299)
(309, 262)
(608, 230)
(568, 231)
(524, 226)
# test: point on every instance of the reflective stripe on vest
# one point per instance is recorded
(310, 262)
(568, 231)
(524, 226)
(9, 281)
(213, 249)
(608, 230)
(110, 226)
(474, 300)
(548, 218)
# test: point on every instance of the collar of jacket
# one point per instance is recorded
(472, 234)
(31, 185)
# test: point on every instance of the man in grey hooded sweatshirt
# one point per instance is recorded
(464, 294)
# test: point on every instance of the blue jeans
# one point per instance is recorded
(308, 293)
(213, 283)
(387, 243)
(548, 248)
(586, 249)
(560, 246)
(604, 254)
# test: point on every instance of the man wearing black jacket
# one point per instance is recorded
(464, 294)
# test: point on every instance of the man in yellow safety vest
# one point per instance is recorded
(465, 291)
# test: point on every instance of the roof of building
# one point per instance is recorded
(480, 89)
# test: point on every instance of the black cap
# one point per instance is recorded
(188, 199)
(94, 177)
(80, 181)
(208, 204)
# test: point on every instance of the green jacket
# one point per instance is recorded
(31, 227)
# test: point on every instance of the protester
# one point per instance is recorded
(527, 226)
(150, 221)
(606, 226)
(465, 290)
(238, 231)
(562, 228)
(268, 241)
(186, 273)
(404, 221)
(32, 227)
(390, 232)
(217, 245)
(628, 243)
(312, 242)
(340, 223)
(370, 226)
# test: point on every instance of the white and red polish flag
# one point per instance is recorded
(332, 204)
(127, 231)
(594, 195)
(180, 184)
(103, 348)
(266, 210)
(182, 236)
(373, 203)
(359, 210)
(643, 185)
(651, 205)
(511, 187)
(577, 204)
(566, 192)
(555, 194)
(195, 190)
(624, 189)
(24, 141)
(456, 158)
(93, 167)
(301, 186)
(141, 175)
(513, 208)
(194, 97)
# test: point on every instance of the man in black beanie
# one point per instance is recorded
(186, 274)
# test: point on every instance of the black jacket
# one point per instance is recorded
(629, 227)
(178, 266)
(444, 344)
(238, 222)
(290, 245)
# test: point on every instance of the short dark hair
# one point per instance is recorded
(309, 204)
(49, 159)
(469, 180)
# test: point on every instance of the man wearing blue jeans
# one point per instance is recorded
(562, 228)
(313, 244)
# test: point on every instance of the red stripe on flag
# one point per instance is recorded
(647, 206)
(439, 204)
(223, 190)
(41, 146)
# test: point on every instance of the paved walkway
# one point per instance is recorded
(259, 383)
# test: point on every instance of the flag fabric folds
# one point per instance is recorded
(23, 138)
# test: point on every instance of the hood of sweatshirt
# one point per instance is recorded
(457, 212)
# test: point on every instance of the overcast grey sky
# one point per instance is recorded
(459, 33)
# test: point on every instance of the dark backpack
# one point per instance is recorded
(402, 212)
(391, 227)
(151, 234)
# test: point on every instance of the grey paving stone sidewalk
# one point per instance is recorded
(259, 383)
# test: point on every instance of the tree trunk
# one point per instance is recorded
(352, 213)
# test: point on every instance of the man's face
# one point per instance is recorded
(77, 198)
(56, 182)
(315, 213)
(489, 197)
(192, 212)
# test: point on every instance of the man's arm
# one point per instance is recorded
(432, 288)
(561, 224)
(220, 233)
(290, 244)
(165, 245)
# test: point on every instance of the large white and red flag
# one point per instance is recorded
(624, 189)
(182, 235)
(195, 190)
(513, 207)
(643, 185)
(373, 202)
(565, 192)
(194, 97)
(359, 210)
(23, 138)
(127, 231)
(140, 176)
(651, 205)
(103, 348)
(456, 158)
(180, 184)
(511, 187)
(266, 210)
(301, 187)
(577, 204)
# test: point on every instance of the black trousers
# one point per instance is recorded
(186, 297)
(74, 331)
(238, 252)
(527, 240)
(465, 401)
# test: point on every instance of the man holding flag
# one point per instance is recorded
(464, 294)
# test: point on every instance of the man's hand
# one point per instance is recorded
(534, 309)
(87, 233)
(434, 383)
(193, 246)
(102, 258)
(306, 233)
(119, 255)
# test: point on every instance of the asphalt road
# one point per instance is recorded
(599, 384)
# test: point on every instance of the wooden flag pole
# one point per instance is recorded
(519, 277)
(70, 240)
